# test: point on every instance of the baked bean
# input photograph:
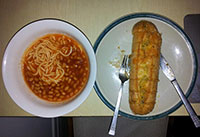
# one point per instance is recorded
(75, 78)
(57, 87)
(64, 65)
(56, 91)
(50, 92)
(31, 79)
(69, 90)
(40, 83)
(69, 81)
(84, 79)
(62, 87)
(66, 88)
(74, 86)
(81, 71)
(50, 96)
(32, 86)
(74, 54)
(71, 94)
(58, 94)
(37, 88)
(75, 67)
(59, 99)
(43, 93)
(63, 93)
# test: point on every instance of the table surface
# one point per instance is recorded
(91, 16)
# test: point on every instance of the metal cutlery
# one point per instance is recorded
(167, 70)
(123, 76)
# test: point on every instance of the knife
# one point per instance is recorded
(167, 70)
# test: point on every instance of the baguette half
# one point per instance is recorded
(145, 60)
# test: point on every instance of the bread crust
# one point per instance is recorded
(145, 60)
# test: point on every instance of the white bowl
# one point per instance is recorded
(116, 40)
(11, 67)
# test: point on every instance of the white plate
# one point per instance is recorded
(11, 67)
(116, 40)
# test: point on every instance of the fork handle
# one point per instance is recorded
(115, 116)
(188, 106)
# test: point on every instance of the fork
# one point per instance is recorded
(123, 76)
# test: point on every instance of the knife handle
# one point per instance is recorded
(188, 106)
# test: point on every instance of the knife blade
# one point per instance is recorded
(167, 70)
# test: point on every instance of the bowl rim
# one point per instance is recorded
(170, 23)
(92, 75)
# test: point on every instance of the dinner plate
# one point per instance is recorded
(116, 41)
(12, 74)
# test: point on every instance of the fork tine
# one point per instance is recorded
(127, 61)
(127, 66)
(124, 62)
